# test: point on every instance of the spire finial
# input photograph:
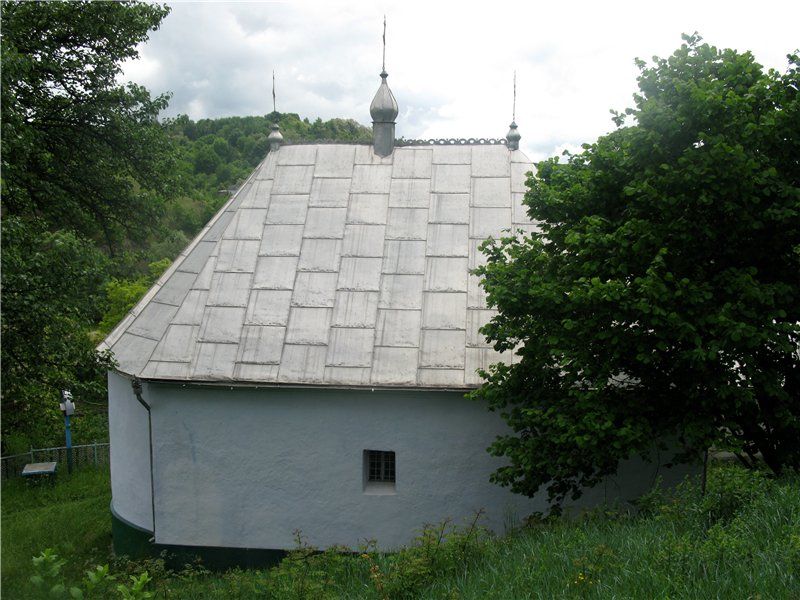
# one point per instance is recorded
(383, 111)
(514, 105)
(513, 137)
(383, 65)
(274, 138)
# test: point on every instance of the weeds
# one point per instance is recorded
(48, 580)
(442, 550)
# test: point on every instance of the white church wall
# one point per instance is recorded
(129, 454)
(246, 467)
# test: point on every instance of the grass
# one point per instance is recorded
(750, 556)
(71, 517)
(740, 541)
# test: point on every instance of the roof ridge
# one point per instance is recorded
(401, 142)
(452, 142)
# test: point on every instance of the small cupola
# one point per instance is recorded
(513, 137)
(275, 138)
(383, 111)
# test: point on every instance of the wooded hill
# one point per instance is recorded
(65, 289)
(210, 158)
(99, 195)
(213, 157)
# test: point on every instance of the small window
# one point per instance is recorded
(379, 472)
(380, 466)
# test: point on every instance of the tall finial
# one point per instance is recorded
(383, 111)
(273, 92)
(513, 137)
(274, 138)
(383, 65)
(514, 106)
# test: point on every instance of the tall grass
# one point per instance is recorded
(740, 541)
(752, 553)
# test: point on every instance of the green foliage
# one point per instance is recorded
(440, 551)
(123, 294)
(730, 490)
(48, 580)
(71, 518)
(215, 155)
(60, 93)
(96, 583)
(51, 296)
(661, 300)
(46, 573)
(85, 166)
(94, 191)
(306, 573)
(136, 591)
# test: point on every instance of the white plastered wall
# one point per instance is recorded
(246, 468)
(130, 454)
(239, 467)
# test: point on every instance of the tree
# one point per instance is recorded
(85, 166)
(80, 150)
(123, 294)
(52, 286)
(661, 299)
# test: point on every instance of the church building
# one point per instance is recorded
(302, 365)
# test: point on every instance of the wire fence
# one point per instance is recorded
(86, 455)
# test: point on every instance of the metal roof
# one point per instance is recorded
(334, 266)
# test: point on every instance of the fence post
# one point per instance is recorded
(95, 454)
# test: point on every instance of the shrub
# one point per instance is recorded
(730, 488)
(439, 551)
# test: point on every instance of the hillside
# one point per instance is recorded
(99, 278)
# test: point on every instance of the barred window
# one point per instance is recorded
(380, 466)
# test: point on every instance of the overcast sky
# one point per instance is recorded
(450, 65)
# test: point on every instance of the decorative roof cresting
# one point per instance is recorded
(452, 142)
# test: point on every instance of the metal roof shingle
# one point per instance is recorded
(333, 265)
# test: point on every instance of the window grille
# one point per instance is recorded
(380, 466)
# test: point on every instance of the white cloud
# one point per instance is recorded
(450, 64)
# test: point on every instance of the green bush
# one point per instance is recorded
(440, 551)
(729, 490)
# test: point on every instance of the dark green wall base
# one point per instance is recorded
(135, 542)
(130, 540)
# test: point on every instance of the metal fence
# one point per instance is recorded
(86, 455)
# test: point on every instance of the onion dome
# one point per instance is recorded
(513, 137)
(384, 107)
(275, 138)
